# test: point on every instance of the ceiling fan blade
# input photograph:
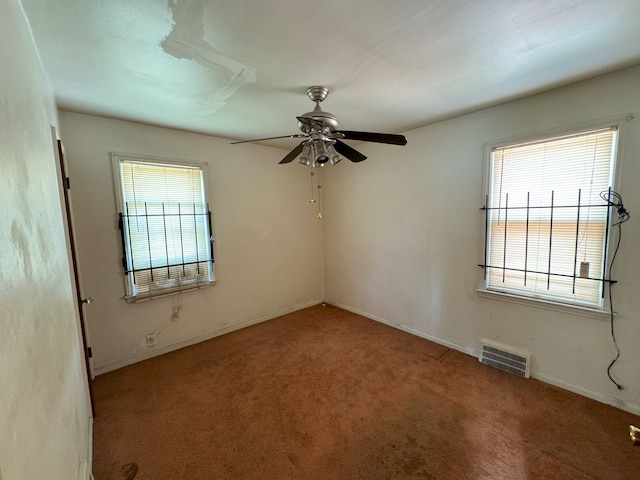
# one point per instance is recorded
(292, 154)
(374, 137)
(349, 152)
(297, 135)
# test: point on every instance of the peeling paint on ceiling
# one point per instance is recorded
(186, 41)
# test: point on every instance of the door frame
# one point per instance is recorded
(65, 187)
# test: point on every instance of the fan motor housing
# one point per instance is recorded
(323, 122)
(319, 121)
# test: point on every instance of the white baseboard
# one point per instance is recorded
(85, 465)
(200, 338)
(615, 402)
(90, 452)
(412, 331)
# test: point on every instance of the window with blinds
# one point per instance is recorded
(165, 225)
(546, 223)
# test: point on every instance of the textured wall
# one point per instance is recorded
(44, 412)
(403, 237)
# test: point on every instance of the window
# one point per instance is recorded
(165, 225)
(547, 224)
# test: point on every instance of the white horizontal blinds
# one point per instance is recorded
(564, 172)
(166, 219)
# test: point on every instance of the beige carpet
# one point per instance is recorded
(326, 394)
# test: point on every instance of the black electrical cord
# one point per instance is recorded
(613, 334)
(623, 215)
(614, 200)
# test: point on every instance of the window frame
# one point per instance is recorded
(618, 122)
(130, 295)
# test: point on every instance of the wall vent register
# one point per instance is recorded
(506, 359)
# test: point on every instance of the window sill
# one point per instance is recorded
(143, 297)
(546, 304)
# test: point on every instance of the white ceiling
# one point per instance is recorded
(240, 68)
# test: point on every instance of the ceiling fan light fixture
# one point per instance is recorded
(307, 154)
(334, 157)
(322, 155)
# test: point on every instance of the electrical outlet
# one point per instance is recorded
(151, 340)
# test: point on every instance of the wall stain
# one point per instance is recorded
(21, 242)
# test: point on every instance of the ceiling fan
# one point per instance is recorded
(323, 139)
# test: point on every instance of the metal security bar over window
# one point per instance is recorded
(166, 239)
(570, 264)
(165, 227)
(546, 226)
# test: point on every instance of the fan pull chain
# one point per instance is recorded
(313, 195)
(319, 187)
(312, 173)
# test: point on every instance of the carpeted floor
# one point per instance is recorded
(326, 394)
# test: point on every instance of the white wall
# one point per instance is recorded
(403, 237)
(44, 410)
(268, 241)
